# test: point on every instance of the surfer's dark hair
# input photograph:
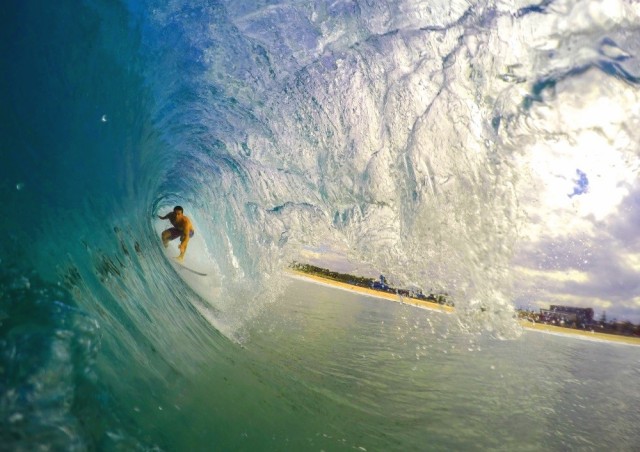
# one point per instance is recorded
(176, 208)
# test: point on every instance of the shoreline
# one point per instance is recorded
(371, 292)
(581, 334)
(525, 324)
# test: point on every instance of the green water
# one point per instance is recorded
(325, 369)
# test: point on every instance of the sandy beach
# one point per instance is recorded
(372, 293)
(537, 327)
(594, 336)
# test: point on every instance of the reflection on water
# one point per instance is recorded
(386, 376)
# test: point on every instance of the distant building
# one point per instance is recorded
(567, 314)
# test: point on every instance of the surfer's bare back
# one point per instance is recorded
(182, 228)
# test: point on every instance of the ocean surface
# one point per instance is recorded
(387, 132)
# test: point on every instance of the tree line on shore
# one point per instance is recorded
(370, 283)
(611, 327)
(623, 328)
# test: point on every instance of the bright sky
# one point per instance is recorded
(582, 200)
(577, 160)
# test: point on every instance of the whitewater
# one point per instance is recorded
(412, 139)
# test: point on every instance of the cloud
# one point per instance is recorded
(599, 270)
(578, 164)
(333, 258)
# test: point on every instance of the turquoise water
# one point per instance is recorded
(281, 127)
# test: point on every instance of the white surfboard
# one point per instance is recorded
(180, 265)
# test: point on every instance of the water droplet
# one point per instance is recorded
(15, 417)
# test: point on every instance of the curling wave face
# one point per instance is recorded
(399, 135)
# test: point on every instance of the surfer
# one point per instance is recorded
(182, 228)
